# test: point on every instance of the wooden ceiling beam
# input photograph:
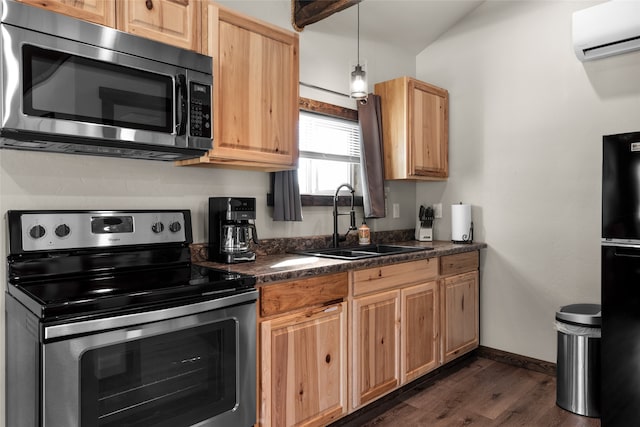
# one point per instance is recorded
(305, 12)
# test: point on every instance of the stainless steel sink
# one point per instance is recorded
(362, 252)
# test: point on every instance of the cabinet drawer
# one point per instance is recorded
(393, 276)
(296, 294)
(459, 263)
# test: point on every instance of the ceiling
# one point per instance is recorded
(409, 24)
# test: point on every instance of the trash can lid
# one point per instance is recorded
(581, 314)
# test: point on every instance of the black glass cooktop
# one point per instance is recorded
(61, 297)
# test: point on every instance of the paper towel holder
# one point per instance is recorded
(460, 220)
(468, 240)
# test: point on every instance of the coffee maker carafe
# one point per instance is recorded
(231, 229)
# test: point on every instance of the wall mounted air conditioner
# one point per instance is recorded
(606, 29)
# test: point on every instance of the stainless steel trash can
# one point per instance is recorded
(578, 364)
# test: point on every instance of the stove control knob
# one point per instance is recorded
(175, 226)
(62, 230)
(157, 227)
(37, 231)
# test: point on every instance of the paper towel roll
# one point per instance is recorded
(461, 226)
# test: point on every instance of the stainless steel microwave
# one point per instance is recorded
(76, 87)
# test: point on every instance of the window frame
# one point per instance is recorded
(314, 106)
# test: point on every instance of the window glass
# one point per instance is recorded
(329, 153)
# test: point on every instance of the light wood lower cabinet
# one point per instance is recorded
(394, 318)
(460, 326)
(420, 337)
(304, 375)
(320, 358)
(376, 338)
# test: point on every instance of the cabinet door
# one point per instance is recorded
(428, 130)
(420, 330)
(459, 315)
(101, 12)
(255, 90)
(303, 372)
(175, 22)
(376, 339)
(415, 127)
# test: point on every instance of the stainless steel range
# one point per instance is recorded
(109, 324)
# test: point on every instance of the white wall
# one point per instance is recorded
(526, 123)
(31, 180)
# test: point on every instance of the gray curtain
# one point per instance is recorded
(372, 160)
(286, 196)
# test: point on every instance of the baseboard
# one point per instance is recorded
(530, 363)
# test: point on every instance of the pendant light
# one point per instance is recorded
(358, 87)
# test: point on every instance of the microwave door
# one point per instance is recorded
(93, 93)
(128, 108)
(621, 188)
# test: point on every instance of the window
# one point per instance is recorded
(329, 153)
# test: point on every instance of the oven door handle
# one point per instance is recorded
(127, 320)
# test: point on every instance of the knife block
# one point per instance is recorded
(423, 233)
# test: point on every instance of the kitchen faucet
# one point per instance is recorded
(352, 213)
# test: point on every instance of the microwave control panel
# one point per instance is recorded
(200, 110)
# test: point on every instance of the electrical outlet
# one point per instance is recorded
(396, 210)
(437, 210)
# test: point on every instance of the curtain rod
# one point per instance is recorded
(323, 89)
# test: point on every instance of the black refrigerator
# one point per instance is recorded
(620, 284)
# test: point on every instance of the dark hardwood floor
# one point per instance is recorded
(481, 392)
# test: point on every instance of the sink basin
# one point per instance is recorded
(362, 252)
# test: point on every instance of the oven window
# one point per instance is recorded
(176, 379)
(59, 85)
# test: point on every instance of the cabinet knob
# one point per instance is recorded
(149, 4)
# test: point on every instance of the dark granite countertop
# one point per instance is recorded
(289, 266)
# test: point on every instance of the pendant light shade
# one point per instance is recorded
(358, 78)
(359, 85)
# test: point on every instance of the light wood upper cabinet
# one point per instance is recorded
(375, 346)
(101, 12)
(304, 368)
(175, 22)
(256, 73)
(420, 349)
(415, 127)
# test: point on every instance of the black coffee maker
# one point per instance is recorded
(231, 229)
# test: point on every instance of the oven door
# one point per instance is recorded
(195, 370)
(65, 90)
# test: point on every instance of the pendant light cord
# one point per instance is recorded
(358, 33)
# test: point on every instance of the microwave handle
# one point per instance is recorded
(181, 104)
